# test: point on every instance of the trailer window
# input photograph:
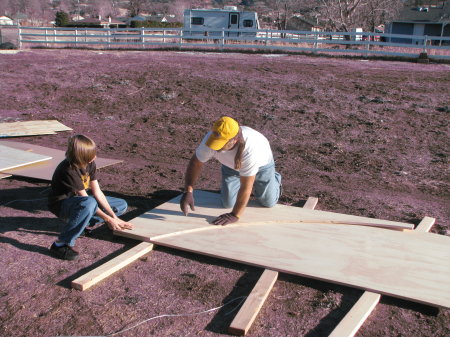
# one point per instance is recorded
(234, 19)
(248, 23)
(197, 21)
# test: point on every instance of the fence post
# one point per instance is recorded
(46, 39)
(76, 38)
(54, 35)
(425, 42)
(164, 35)
(181, 39)
(142, 37)
(20, 35)
(223, 38)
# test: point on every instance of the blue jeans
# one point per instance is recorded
(78, 212)
(266, 187)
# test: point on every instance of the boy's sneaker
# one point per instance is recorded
(64, 252)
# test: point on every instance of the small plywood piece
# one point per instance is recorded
(11, 158)
(105, 270)
(254, 302)
(31, 128)
(409, 265)
(44, 170)
(355, 318)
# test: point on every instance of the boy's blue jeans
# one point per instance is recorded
(78, 212)
(266, 187)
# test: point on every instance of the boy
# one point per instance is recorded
(69, 200)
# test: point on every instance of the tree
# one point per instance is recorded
(61, 19)
(343, 15)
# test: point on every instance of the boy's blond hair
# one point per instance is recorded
(81, 150)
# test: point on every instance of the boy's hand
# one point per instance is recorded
(117, 224)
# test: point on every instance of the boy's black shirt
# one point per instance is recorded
(66, 181)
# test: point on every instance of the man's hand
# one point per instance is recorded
(187, 200)
(117, 224)
(225, 219)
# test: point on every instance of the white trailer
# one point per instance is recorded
(211, 22)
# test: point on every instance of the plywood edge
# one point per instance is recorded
(355, 318)
(253, 304)
(107, 269)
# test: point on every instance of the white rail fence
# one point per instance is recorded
(354, 43)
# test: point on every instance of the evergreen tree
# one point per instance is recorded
(61, 19)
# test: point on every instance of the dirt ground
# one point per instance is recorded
(368, 138)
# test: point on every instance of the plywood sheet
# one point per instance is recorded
(30, 128)
(409, 265)
(11, 158)
(44, 170)
(167, 218)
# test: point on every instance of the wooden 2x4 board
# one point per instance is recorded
(405, 264)
(44, 170)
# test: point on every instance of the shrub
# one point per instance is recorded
(155, 24)
(61, 19)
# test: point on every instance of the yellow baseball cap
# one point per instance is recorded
(224, 129)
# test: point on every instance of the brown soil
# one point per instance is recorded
(367, 138)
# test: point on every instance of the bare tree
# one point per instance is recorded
(342, 15)
(378, 12)
(135, 7)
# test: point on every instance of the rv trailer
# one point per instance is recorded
(211, 22)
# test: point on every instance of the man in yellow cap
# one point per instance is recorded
(247, 165)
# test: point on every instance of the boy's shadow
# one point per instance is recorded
(33, 200)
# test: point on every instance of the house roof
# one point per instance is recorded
(425, 14)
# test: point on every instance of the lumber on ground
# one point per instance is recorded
(254, 302)
(31, 128)
(107, 269)
(44, 170)
(355, 318)
(11, 158)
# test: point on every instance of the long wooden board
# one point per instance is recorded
(31, 128)
(408, 265)
(44, 170)
(11, 158)
(167, 218)
(107, 269)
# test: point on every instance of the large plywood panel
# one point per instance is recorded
(408, 265)
(11, 158)
(405, 264)
(45, 169)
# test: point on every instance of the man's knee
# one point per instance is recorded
(227, 202)
(268, 202)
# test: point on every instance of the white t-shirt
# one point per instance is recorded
(257, 152)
